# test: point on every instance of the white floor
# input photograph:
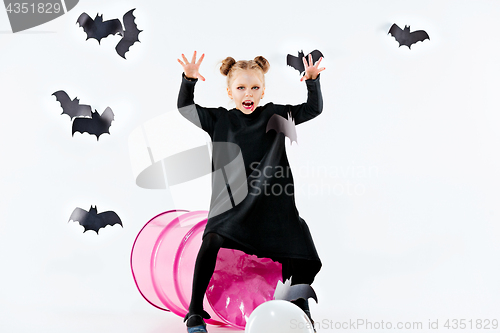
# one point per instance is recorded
(60, 321)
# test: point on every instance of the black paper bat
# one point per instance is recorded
(405, 37)
(298, 63)
(97, 28)
(96, 125)
(282, 125)
(91, 220)
(130, 36)
(72, 108)
(285, 291)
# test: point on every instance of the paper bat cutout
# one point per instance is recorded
(96, 125)
(130, 36)
(405, 37)
(97, 28)
(72, 108)
(298, 63)
(282, 125)
(91, 220)
(285, 291)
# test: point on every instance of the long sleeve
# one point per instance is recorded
(305, 111)
(202, 117)
(186, 93)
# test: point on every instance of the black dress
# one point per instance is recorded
(253, 203)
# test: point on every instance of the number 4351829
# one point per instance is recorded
(40, 8)
(471, 324)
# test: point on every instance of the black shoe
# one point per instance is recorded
(197, 323)
(304, 305)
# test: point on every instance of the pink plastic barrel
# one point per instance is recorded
(162, 262)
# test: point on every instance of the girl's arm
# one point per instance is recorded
(314, 105)
(202, 117)
(305, 111)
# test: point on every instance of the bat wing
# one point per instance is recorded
(304, 291)
(79, 215)
(83, 110)
(85, 21)
(130, 35)
(295, 62)
(108, 116)
(96, 125)
(316, 54)
(86, 219)
(108, 218)
(89, 125)
(62, 97)
(72, 107)
(282, 125)
(285, 291)
(395, 31)
(418, 36)
(398, 34)
(112, 27)
(103, 123)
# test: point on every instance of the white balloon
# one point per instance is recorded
(278, 316)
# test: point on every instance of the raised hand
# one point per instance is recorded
(191, 68)
(311, 70)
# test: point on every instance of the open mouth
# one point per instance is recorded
(248, 105)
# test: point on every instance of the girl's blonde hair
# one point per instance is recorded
(230, 66)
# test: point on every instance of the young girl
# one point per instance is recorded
(259, 215)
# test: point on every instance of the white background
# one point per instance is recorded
(397, 178)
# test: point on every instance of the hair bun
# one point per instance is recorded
(226, 65)
(263, 63)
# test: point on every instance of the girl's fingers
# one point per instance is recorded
(193, 59)
(180, 62)
(201, 59)
(201, 77)
(317, 63)
(305, 62)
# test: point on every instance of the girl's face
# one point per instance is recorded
(246, 90)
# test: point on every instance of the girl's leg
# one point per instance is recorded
(301, 271)
(203, 271)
